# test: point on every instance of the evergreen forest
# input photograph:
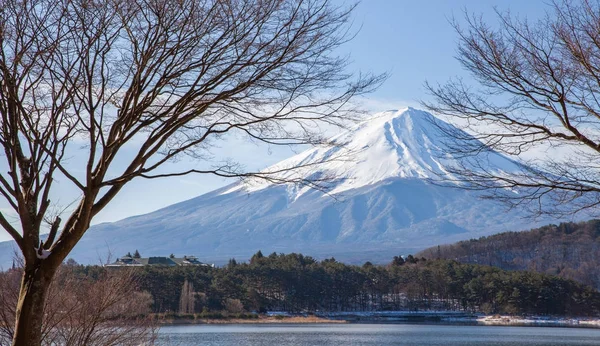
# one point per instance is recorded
(301, 284)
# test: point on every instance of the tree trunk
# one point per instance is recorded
(30, 308)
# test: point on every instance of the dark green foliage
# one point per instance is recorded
(568, 250)
(411, 259)
(397, 261)
(137, 254)
(257, 257)
(297, 283)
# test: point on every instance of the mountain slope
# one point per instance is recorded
(405, 144)
(380, 204)
(569, 250)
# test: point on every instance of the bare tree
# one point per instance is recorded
(536, 88)
(9, 295)
(146, 82)
(233, 306)
(107, 309)
(187, 300)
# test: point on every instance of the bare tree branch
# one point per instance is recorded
(161, 79)
(537, 91)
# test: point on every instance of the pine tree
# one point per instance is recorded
(136, 254)
(258, 255)
(398, 261)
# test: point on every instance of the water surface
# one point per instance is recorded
(373, 334)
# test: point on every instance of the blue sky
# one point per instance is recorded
(414, 41)
(411, 40)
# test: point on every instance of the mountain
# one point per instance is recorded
(569, 250)
(381, 204)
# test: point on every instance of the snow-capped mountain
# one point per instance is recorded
(380, 204)
(406, 144)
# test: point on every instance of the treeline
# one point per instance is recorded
(297, 283)
(568, 250)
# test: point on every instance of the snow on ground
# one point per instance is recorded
(504, 320)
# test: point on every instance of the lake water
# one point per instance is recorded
(373, 334)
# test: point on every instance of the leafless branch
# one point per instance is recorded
(161, 79)
(537, 86)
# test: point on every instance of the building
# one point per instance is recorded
(130, 261)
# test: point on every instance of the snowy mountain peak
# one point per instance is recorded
(406, 143)
(386, 205)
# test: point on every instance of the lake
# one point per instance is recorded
(373, 334)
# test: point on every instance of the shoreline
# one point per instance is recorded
(453, 318)
(260, 320)
(538, 321)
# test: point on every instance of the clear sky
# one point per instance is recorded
(415, 42)
(410, 39)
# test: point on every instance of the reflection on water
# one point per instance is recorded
(373, 334)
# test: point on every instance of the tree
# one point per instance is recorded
(136, 254)
(106, 309)
(536, 91)
(145, 83)
(397, 261)
(187, 298)
(256, 257)
(234, 306)
(71, 262)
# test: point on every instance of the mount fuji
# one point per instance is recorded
(381, 204)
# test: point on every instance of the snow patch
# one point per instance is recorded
(43, 254)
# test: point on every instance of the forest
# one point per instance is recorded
(300, 284)
(568, 250)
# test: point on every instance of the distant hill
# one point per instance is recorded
(569, 250)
